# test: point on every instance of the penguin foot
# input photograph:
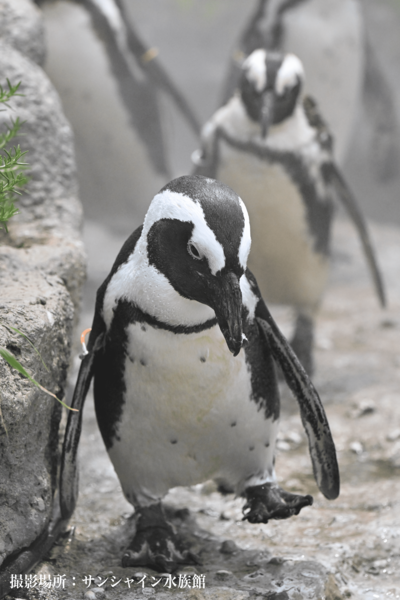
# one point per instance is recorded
(269, 501)
(155, 544)
(303, 341)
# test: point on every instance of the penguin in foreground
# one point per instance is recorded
(272, 147)
(182, 352)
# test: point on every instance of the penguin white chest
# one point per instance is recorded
(283, 259)
(188, 415)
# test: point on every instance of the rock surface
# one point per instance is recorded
(42, 268)
(332, 550)
(21, 26)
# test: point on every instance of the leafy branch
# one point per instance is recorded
(11, 164)
(12, 91)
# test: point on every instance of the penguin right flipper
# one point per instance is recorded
(321, 445)
(69, 466)
(332, 176)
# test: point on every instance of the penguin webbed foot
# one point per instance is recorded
(269, 501)
(155, 544)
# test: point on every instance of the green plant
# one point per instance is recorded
(12, 168)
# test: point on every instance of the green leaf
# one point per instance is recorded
(29, 341)
(13, 362)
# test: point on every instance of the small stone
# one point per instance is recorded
(283, 446)
(253, 576)
(357, 448)
(276, 560)
(98, 591)
(362, 408)
(294, 437)
(223, 575)
(380, 564)
(90, 595)
(228, 547)
(140, 575)
(189, 570)
(394, 435)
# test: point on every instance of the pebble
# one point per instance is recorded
(223, 575)
(283, 446)
(228, 547)
(253, 576)
(356, 447)
(394, 435)
(90, 595)
(276, 560)
(98, 591)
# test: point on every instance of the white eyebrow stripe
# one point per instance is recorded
(250, 300)
(174, 205)
(245, 242)
(290, 70)
(256, 69)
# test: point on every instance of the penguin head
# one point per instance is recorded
(270, 86)
(197, 237)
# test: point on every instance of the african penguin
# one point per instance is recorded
(272, 147)
(181, 351)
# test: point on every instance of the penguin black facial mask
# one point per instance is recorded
(270, 87)
(172, 253)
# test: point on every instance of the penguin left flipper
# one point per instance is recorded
(332, 176)
(69, 461)
(321, 445)
(155, 544)
(269, 501)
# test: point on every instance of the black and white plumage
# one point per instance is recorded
(273, 148)
(181, 350)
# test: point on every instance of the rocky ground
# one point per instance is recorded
(348, 548)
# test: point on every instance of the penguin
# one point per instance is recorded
(274, 149)
(182, 352)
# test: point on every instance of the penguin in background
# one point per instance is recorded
(182, 352)
(272, 147)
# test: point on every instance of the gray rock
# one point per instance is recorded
(30, 418)
(21, 26)
(48, 226)
(42, 268)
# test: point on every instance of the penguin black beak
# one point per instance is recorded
(267, 112)
(227, 306)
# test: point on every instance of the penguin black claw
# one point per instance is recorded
(155, 544)
(269, 501)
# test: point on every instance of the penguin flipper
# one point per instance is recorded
(69, 466)
(332, 176)
(321, 445)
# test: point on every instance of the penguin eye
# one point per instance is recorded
(194, 253)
